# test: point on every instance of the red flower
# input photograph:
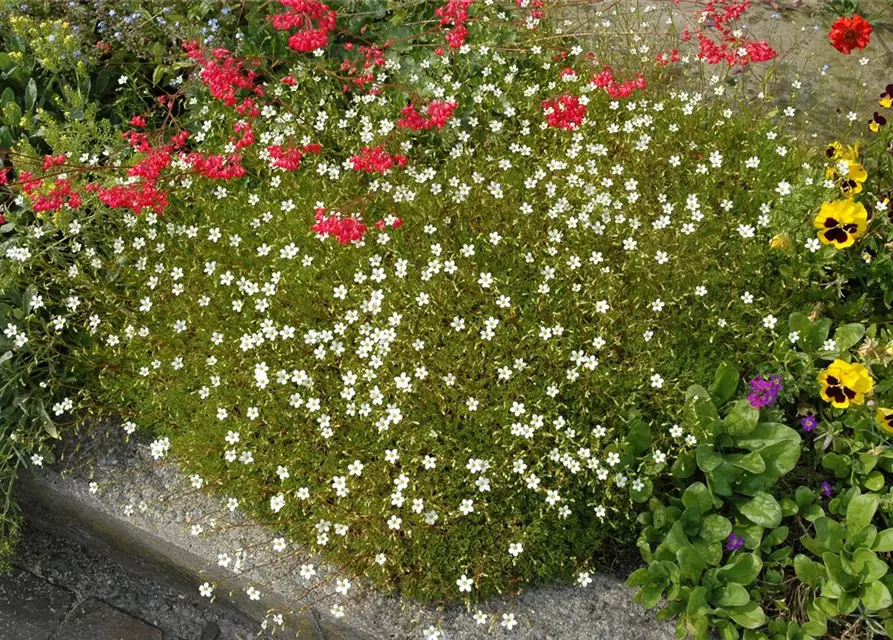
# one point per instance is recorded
(850, 33)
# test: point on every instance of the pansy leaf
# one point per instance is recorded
(848, 335)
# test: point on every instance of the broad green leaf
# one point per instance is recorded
(642, 495)
(698, 496)
(725, 383)
(691, 563)
(848, 335)
(749, 616)
(875, 596)
(742, 419)
(808, 572)
(715, 528)
(884, 541)
(800, 323)
(763, 510)
(744, 569)
(731, 595)
(861, 511)
(752, 462)
(830, 533)
(697, 603)
(684, 466)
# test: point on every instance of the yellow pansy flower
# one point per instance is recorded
(884, 418)
(844, 384)
(841, 223)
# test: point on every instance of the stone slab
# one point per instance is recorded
(95, 620)
(30, 608)
(135, 517)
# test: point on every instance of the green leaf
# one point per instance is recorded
(884, 541)
(639, 439)
(800, 323)
(763, 510)
(848, 335)
(684, 466)
(715, 528)
(752, 462)
(697, 603)
(742, 419)
(874, 481)
(731, 595)
(725, 383)
(861, 511)
(819, 334)
(749, 616)
(698, 496)
(830, 533)
(875, 596)
(744, 569)
(642, 495)
(30, 94)
(691, 563)
(808, 572)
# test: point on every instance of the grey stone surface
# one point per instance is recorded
(59, 563)
(96, 620)
(157, 534)
(30, 609)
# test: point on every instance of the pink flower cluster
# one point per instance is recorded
(455, 14)
(564, 112)
(224, 76)
(376, 160)
(313, 19)
(605, 80)
(345, 230)
(438, 112)
(289, 158)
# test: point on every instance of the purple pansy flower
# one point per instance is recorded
(764, 392)
(735, 542)
(809, 422)
(826, 489)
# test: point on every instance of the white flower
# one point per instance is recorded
(307, 571)
(465, 583)
(206, 590)
(660, 457)
(813, 244)
(508, 621)
(584, 579)
(253, 594)
(394, 523)
(515, 549)
(432, 633)
(770, 321)
(657, 381)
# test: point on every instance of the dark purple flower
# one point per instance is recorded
(764, 392)
(826, 489)
(809, 422)
(735, 542)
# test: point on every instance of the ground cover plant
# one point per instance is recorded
(461, 303)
